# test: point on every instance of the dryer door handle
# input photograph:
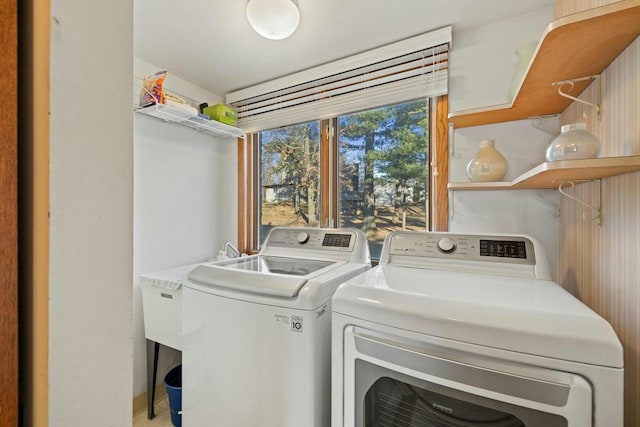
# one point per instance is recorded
(418, 360)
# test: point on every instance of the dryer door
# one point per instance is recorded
(397, 382)
(398, 400)
(391, 401)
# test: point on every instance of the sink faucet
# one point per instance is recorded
(235, 253)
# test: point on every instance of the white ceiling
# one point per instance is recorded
(210, 42)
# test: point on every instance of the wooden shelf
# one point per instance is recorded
(578, 45)
(550, 174)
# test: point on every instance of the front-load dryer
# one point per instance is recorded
(469, 330)
(257, 334)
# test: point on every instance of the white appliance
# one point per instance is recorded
(469, 330)
(257, 333)
(162, 310)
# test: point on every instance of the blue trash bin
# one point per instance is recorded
(173, 383)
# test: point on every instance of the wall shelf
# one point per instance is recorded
(174, 115)
(549, 174)
(578, 45)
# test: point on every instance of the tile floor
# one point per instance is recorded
(162, 418)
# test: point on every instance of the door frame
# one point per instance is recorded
(9, 213)
(33, 203)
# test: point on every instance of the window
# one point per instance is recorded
(289, 177)
(357, 142)
(409, 69)
(383, 170)
(381, 173)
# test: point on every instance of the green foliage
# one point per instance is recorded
(403, 157)
(391, 143)
(383, 146)
(358, 125)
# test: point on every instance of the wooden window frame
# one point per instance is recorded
(247, 193)
(248, 174)
(328, 172)
(439, 198)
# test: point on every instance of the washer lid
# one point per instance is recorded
(265, 275)
(524, 315)
(278, 265)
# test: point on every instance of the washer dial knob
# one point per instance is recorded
(303, 237)
(446, 245)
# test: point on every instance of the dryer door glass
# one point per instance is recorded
(385, 397)
(392, 402)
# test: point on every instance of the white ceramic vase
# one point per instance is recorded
(574, 142)
(488, 164)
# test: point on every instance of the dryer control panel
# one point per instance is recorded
(464, 247)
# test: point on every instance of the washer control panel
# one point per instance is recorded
(333, 240)
(492, 248)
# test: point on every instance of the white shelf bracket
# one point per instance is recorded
(537, 123)
(451, 197)
(596, 211)
(452, 139)
(571, 83)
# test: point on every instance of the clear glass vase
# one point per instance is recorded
(574, 142)
(488, 164)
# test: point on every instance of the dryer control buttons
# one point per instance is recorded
(303, 237)
(446, 245)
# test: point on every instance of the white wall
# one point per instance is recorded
(483, 59)
(185, 204)
(91, 207)
(482, 66)
(533, 212)
(185, 197)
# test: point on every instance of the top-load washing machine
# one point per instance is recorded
(469, 330)
(257, 333)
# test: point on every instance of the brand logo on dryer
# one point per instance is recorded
(296, 323)
(442, 408)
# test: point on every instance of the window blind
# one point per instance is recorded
(402, 71)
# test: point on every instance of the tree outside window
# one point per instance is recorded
(382, 173)
(383, 170)
(289, 177)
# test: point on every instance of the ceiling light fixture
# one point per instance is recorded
(273, 19)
